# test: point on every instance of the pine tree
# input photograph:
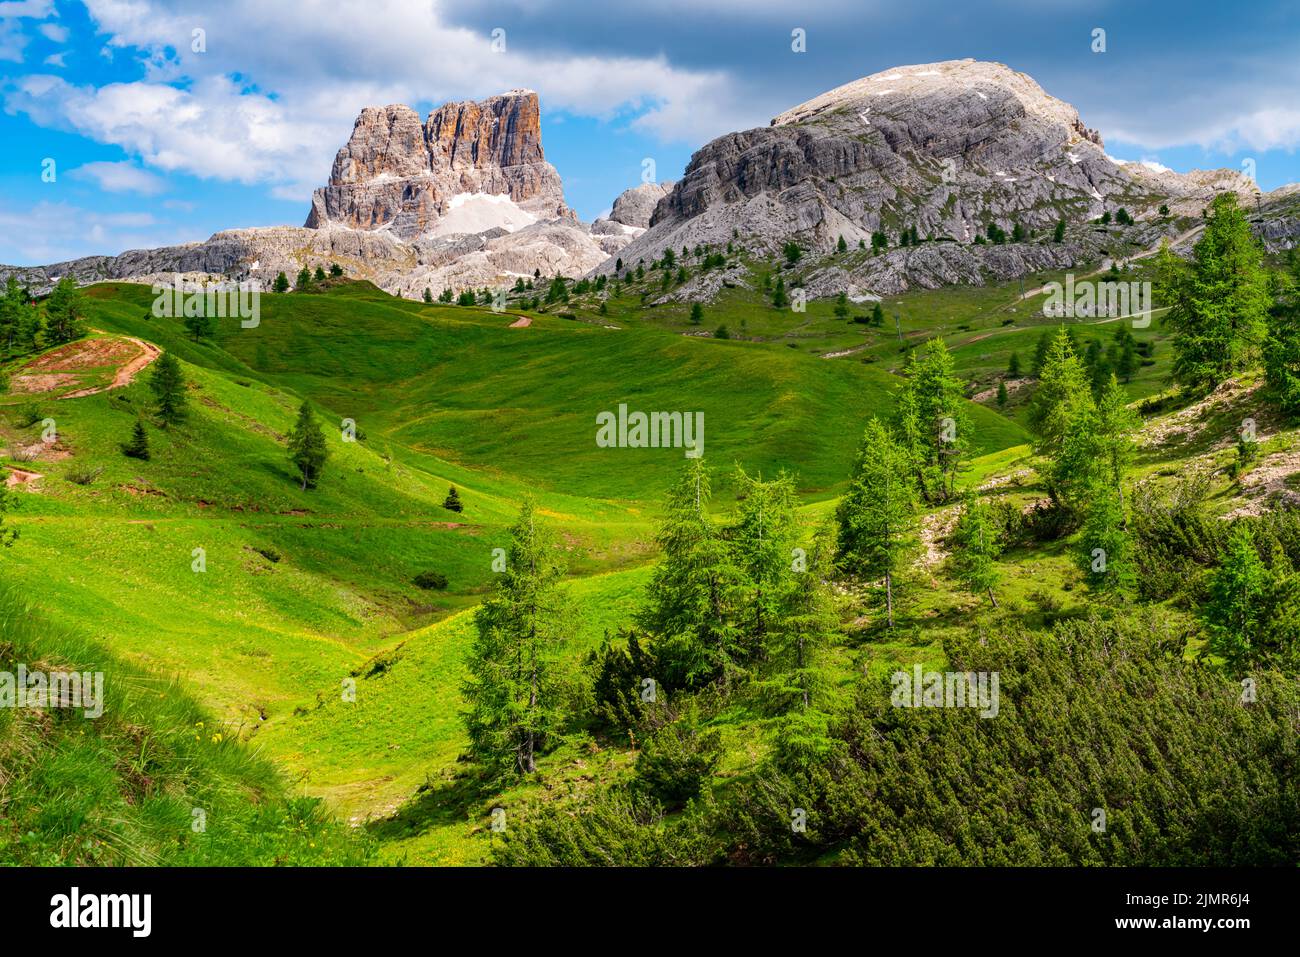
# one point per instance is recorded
(512, 688)
(779, 299)
(690, 610)
(307, 449)
(762, 537)
(808, 622)
(200, 326)
(932, 420)
(977, 543)
(336, 270)
(452, 502)
(841, 245)
(1013, 366)
(168, 386)
(877, 315)
(697, 313)
(877, 516)
(319, 274)
(63, 312)
(1282, 347)
(1063, 417)
(1104, 547)
(1235, 610)
(428, 294)
(304, 278)
(1058, 234)
(138, 446)
(281, 283)
(842, 306)
(1002, 395)
(14, 316)
(1219, 303)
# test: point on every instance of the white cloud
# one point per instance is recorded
(36, 9)
(55, 232)
(12, 41)
(122, 177)
(55, 32)
(305, 76)
(56, 59)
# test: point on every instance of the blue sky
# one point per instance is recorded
(159, 134)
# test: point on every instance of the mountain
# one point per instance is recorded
(464, 199)
(943, 148)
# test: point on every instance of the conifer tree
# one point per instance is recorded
(1002, 395)
(877, 516)
(304, 278)
(452, 502)
(779, 298)
(808, 622)
(1104, 546)
(1219, 302)
(319, 274)
(690, 612)
(307, 449)
(513, 669)
(63, 312)
(697, 313)
(762, 537)
(168, 386)
(931, 420)
(138, 446)
(281, 283)
(977, 543)
(1013, 366)
(1235, 610)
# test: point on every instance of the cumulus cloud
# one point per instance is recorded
(55, 32)
(121, 177)
(277, 88)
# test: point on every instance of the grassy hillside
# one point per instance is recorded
(304, 591)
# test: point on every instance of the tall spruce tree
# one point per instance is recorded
(307, 449)
(931, 420)
(514, 705)
(977, 543)
(690, 610)
(762, 537)
(1218, 303)
(63, 312)
(877, 516)
(808, 623)
(168, 386)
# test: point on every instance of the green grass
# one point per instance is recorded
(443, 396)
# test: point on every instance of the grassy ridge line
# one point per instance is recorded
(122, 789)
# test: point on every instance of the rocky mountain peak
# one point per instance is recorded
(399, 174)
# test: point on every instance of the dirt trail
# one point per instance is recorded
(126, 373)
(1149, 251)
(521, 322)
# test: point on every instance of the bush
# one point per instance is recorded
(84, 476)
(430, 580)
(677, 761)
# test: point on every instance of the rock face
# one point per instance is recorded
(463, 200)
(944, 149)
(630, 215)
(402, 175)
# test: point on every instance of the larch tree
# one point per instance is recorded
(877, 516)
(512, 692)
(977, 543)
(1219, 302)
(307, 449)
